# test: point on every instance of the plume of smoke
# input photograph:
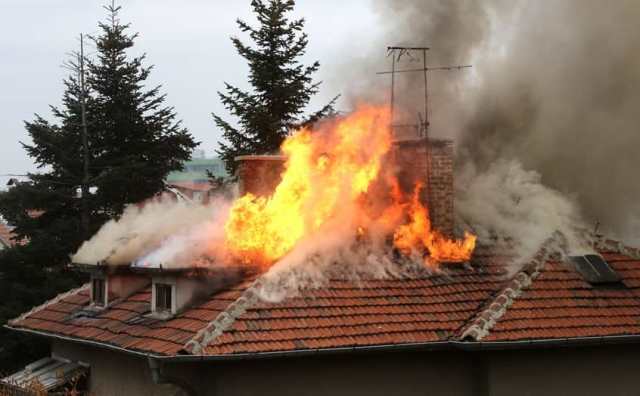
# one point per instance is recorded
(506, 201)
(188, 245)
(169, 226)
(555, 86)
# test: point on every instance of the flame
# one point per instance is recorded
(417, 234)
(331, 170)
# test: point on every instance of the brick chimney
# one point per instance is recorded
(414, 158)
(259, 174)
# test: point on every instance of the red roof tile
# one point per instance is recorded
(546, 300)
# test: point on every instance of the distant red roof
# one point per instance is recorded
(546, 300)
(6, 235)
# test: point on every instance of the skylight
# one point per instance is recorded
(595, 270)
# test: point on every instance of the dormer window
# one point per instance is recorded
(98, 291)
(163, 297)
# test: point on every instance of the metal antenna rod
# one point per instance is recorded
(423, 129)
(393, 78)
(84, 216)
(426, 95)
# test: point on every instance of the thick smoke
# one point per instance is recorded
(164, 232)
(509, 205)
(555, 87)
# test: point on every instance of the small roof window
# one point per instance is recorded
(163, 298)
(99, 291)
(595, 270)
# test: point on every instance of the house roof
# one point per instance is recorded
(6, 235)
(545, 300)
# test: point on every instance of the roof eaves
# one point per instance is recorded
(435, 345)
(486, 319)
(224, 320)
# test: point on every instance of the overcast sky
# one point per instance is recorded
(187, 41)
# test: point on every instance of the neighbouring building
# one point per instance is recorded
(558, 326)
(193, 181)
(6, 236)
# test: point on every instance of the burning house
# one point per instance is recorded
(339, 270)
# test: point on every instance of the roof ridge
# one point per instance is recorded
(487, 318)
(48, 303)
(224, 320)
(617, 247)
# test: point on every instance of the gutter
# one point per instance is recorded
(468, 346)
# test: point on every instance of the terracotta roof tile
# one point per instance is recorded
(553, 301)
(559, 304)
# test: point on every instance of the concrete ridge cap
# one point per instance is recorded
(224, 320)
(486, 319)
(54, 300)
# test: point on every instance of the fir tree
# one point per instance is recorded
(46, 212)
(143, 141)
(281, 85)
(133, 142)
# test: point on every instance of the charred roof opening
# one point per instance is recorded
(595, 270)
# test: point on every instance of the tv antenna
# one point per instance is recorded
(396, 53)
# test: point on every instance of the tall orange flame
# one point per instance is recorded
(418, 234)
(329, 169)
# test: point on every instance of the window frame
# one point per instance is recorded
(102, 303)
(163, 311)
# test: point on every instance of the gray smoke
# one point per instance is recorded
(555, 87)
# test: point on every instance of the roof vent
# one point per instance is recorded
(595, 270)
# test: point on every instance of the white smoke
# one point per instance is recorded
(510, 204)
(161, 231)
(335, 251)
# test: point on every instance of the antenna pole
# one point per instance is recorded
(393, 80)
(85, 144)
(423, 128)
(426, 94)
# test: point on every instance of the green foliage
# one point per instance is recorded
(134, 141)
(281, 86)
(27, 279)
(138, 140)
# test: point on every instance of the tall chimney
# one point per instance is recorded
(417, 159)
(259, 174)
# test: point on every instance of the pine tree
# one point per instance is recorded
(46, 211)
(142, 139)
(281, 85)
(133, 142)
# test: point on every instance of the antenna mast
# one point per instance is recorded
(397, 52)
